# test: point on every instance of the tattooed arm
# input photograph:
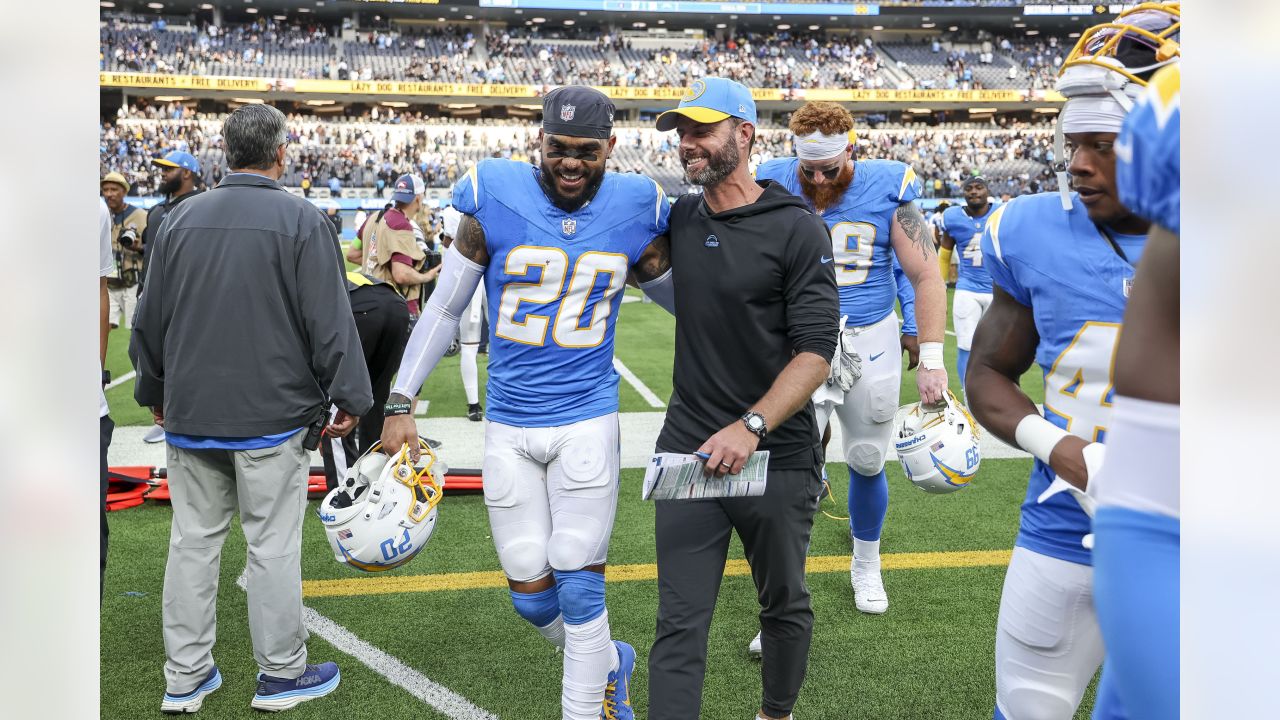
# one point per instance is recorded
(652, 274)
(913, 244)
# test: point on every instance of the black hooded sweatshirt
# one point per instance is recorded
(754, 286)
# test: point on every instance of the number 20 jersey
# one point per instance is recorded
(1060, 265)
(554, 285)
(859, 225)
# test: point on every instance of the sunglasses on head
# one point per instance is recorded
(830, 174)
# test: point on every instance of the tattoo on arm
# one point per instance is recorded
(470, 241)
(655, 261)
(916, 228)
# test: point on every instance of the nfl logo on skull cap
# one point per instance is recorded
(569, 225)
(566, 112)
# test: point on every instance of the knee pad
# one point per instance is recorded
(524, 560)
(581, 595)
(865, 458)
(540, 608)
(572, 548)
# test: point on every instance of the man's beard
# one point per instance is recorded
(719, 165)
(170, 187)
(827, 194)
(568, 203)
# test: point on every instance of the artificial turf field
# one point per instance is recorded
(447, 614)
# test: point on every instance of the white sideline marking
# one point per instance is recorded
(633, 381)
(444, 700)
(122, 379)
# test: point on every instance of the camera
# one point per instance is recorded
(129, 238)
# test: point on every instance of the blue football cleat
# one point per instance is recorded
(275, 694)
(191, 701)
(617, 694)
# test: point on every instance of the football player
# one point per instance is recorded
(962, 227)
(868, 207)
(554, 245)
(1062, 266)
(1137, 528)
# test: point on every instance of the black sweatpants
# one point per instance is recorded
(382, 319)
(693, 543)
(106, 426)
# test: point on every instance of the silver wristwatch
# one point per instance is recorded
(755, 423)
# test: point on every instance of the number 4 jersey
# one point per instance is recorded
(859, 225)
(554, 284)
(1076, 282)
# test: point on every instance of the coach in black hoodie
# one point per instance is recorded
(756, 320)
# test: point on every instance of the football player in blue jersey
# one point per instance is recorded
(1062, 266)
(868, 207)
(554, 245)
(1137, 527)
(962, 227)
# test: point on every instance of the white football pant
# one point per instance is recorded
(967, 308)
(866, 412)
(1048, 644)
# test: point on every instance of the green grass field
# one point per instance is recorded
(929, 657)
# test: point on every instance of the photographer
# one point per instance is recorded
(128, 224)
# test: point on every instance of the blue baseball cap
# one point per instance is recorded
(407, 187)
(179, 159)
(711, 100)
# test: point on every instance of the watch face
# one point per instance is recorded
(755, 422)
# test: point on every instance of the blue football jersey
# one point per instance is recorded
(554, 285)
(1148, 162)
(966, 230)
(1062, 266)
(859, 225)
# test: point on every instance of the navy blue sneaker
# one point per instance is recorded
(275, 694)
(191, 701)
(617, 694)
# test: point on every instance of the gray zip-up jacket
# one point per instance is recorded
(244, 327)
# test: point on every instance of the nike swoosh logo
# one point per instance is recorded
(824, 260)
(873, 357)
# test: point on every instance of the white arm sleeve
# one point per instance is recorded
(662, 290)
(431, 337)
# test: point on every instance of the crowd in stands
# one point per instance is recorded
(371, 151)
(517, 55)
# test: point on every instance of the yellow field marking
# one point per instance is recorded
(493, 579)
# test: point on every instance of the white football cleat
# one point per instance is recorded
(754, 649)
(868, 588)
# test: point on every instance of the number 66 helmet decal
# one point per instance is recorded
(384, 510)
(938, 448)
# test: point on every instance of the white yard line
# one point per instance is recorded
(122, 379)
(633, 381)
(444, 700)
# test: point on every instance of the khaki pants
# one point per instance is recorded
(269, 487)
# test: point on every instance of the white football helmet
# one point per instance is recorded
(384, 510)
(938, 448)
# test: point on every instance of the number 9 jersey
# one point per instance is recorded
(859, 222)
(554, 284)
(1061, 265)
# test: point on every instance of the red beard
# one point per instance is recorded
(825, 195)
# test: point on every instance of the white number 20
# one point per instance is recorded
(575, 324)
(1078, 386)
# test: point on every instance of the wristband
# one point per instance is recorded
(394, 408)
(1038, 436)
(931, 355)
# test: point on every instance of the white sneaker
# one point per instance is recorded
(754, 648)
(868, 588)
(154, 435)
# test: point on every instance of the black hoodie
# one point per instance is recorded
(754, 286)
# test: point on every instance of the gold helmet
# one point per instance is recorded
(1135, 44)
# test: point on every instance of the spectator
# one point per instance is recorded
(105, 424)
(240, 366)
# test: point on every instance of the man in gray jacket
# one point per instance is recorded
(244, 336)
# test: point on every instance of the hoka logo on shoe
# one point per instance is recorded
(306, 680)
